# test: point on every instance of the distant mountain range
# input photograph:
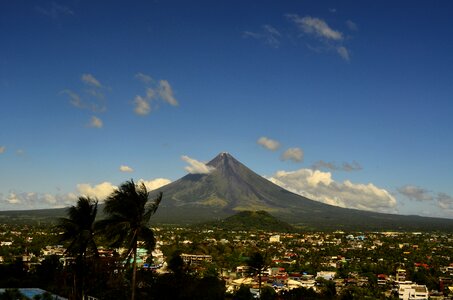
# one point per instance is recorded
(231, 187)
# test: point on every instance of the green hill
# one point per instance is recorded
(251, 221)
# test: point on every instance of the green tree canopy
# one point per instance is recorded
(128, 212)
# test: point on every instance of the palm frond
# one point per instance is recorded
(78, 227)
(147, 236)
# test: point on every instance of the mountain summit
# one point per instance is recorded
(230, 187)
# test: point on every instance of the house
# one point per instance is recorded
(327, 275)
(400, 275)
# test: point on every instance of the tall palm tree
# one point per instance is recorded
(78, 228)
(258, 264)
(128, 211)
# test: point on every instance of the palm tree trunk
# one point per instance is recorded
(259, 282)
(134, 271)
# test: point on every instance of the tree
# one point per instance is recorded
(243, 293)
(176, 264)
(78, 228)
(128, 213)
(258, 264)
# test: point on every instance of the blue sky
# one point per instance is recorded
(348, 103)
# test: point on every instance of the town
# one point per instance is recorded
(230, 264)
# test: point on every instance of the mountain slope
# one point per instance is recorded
(232, 187)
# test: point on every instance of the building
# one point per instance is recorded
(413, 292)
(275, 239)
(400, 275)
(195, 259)
(327, 275)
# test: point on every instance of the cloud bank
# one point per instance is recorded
(320, 186)
(31, 200)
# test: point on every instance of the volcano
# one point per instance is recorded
(231, 187)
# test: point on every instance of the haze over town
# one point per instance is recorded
(345, 103)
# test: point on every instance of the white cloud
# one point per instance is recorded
(154, 91)
(99, 191)
(166, 93)
(150, 93)
(91, 80)
(294, 154)
(13, 199)
(91, 98)
(103, 190)
(320, 186)
(415, 193)
(351, 25)
(270, 35)
(445, 201)
(195, 166)
(348, 167)
(74, 98)
(49, 198)
(343, 52)
(55, 10)
(154, 183)
(2, 149)
(142, 106)
(144, 78)
(316, 27)
(326, 38)
(31, 200)
(95, 122)
(126, 169)
(268, 143)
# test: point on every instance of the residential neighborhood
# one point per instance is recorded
(375, 265)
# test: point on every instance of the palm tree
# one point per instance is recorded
(258, 263)
(128, 213)
(78, 228)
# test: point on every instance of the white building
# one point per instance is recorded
(413, 292)
(400, 275)
(275, 239)
(327, 275)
